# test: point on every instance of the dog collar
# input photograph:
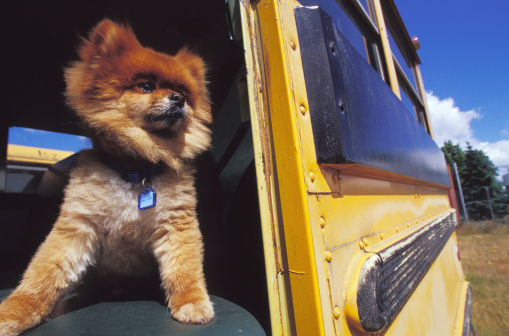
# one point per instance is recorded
(133, 172)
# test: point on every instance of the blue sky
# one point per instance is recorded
(464, 53)
(45, 139)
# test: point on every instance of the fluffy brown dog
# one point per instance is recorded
(148, 116)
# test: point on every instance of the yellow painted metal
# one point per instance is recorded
(278, 302)
(460, 315)
(300, 253)
(331, 218)
(369, 207)
(318, 178)
(431, 310)
(367, 216)
(386, 48)
(28, 154)
(351, 312)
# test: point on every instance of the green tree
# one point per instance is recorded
(454, 153)
(479, 173)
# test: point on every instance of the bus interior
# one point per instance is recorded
(40, 40)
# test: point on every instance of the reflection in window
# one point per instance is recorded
(406, 100)
(401, 60)
(23, 179)
(365, 5)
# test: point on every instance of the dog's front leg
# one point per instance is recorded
(58, 263)
(178, 248)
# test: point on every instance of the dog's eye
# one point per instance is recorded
(147, 87)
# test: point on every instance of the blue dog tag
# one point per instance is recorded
(147, 199)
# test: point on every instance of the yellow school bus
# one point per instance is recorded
(358, 230)
(323, 202)
(35, 155)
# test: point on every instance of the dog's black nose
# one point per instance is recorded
(178, 99)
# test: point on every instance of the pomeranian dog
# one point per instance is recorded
(132, 196)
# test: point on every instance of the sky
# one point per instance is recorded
(44, 139)
(464, 53)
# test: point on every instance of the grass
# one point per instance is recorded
(484, 247)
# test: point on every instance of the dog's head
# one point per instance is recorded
(136, 102)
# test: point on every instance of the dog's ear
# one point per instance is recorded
(193, 62)
(107, 39)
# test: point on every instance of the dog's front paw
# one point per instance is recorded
(9, 328)
(16, 316)
(199, 312)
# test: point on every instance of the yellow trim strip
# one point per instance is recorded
(292, 189)
(460, 313)
(260, 125)
(19, 153)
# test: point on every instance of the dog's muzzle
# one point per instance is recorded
(177, 110)
(174, 112)
(168, 119)
(178, 100)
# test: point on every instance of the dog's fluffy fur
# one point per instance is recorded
(139, 106)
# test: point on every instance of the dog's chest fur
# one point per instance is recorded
(110, 206)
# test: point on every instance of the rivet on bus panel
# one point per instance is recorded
(328, 256)
(303, 109)
(312, 177)
(336, 312)
(292, 44)
(322, 222)
(361, 245)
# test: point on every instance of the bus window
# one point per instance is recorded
(356, 24)
(29, 154)
(45, 139)
(406, 100)
(405, 67)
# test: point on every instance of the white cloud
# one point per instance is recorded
(450, 123)
(498, 153)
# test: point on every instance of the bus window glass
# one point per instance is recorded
(365, 5)
(23, 179)
(406, 100)
(50, 140)
(401, 60)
